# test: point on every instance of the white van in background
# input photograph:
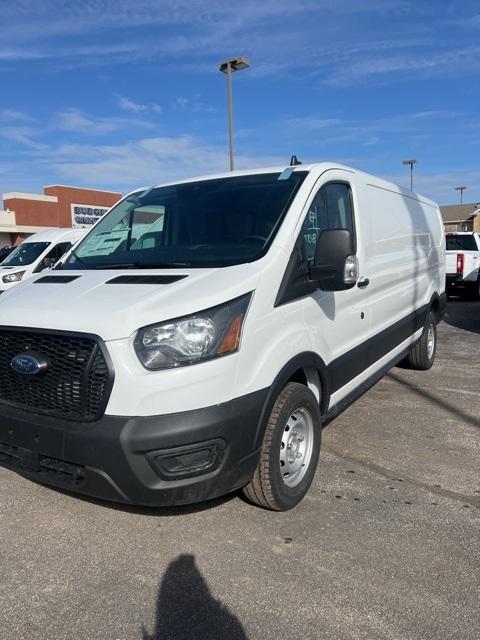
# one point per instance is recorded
(36, 253)
(195, 341)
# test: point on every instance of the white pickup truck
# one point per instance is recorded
(463, 263)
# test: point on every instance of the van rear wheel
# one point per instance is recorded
(290, 450)
(422, 356)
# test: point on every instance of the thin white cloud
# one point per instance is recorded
(146, 161)
(76, 121)
(7, 115)
(369, 132)
(51, 18)
(441, 186)
(445, 62)
(126, 104)
(188, 27)
(11, 55)
(312, 122)
(192, 105)
(24, 136)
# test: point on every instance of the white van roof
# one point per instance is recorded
(57, 235)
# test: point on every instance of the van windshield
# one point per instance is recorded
(24, 254)
(210, 223)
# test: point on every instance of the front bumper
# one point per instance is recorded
(160, 460)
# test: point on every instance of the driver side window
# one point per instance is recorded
(331, 208)
(54, 255)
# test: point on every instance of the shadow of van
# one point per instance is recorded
(463, 315)
(186, 609)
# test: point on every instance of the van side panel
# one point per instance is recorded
(404, 252)
(403, 257)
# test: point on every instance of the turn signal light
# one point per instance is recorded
(231, 341)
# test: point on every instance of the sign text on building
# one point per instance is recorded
(84, 215)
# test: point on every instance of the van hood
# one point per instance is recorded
(91, 303)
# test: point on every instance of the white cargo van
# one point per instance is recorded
(36, 253)
(196, 339)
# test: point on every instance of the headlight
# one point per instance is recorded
(200, 336)
(13, 277)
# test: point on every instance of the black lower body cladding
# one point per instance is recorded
(162, 460)
(184, 457)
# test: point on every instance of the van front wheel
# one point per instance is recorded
(290, 450)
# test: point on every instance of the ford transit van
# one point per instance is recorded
(36, 253)
(195, 341)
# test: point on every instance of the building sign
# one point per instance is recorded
(84, 215)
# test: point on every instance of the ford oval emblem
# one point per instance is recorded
(29, 363)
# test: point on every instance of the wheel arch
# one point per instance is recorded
(438, 304)
(307, 368)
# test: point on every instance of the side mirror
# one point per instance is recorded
(335, 265)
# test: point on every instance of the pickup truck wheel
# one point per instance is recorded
(290, 450)
(422, 356)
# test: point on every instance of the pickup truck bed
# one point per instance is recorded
(463, 263)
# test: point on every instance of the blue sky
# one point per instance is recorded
(119, 94)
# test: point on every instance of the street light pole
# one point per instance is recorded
(228, 67)
(411, 163)
(230, 113)
(461, 189)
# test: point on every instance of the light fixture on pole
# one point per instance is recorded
(411, 163)
(228, 67)
(461, 189)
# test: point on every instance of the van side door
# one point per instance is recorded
(338, 322)
(404, 256)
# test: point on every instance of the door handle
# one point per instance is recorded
(363, 282)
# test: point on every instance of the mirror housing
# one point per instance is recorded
(335, 265)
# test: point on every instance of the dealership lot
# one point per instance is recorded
(385, 545)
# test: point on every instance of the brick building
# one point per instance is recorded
(58, 206)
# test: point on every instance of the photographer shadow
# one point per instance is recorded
(186, 610)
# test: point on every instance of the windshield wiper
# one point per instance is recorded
(164, 265)
(142, 265)
(118, 265)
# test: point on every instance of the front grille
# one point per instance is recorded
(76, 383)
(46, 468)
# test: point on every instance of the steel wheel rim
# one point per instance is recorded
(296, 446)
(430, 341)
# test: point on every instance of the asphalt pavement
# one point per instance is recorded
(385, 545)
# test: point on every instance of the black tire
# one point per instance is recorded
(421, 358)
(268, 487)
